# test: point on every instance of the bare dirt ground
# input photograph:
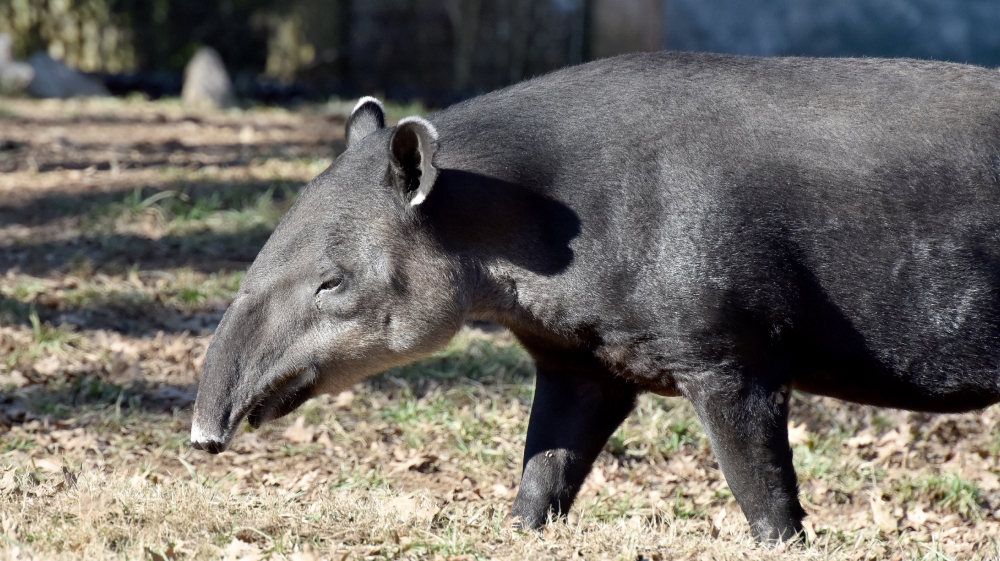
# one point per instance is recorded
(125, 229)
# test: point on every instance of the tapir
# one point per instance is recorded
(723, 228)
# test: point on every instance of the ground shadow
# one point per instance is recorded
(203, 247)
(56, 205)
(67, 399)
(205, 252)
(65, 154)
(129, 314)
(212, 195)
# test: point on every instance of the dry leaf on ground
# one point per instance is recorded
(299, 432)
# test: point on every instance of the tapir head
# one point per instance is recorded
(349, 284)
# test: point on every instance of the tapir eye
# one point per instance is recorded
(332, 284)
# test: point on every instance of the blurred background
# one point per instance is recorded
(439, 51)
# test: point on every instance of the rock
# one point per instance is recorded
(14, 76)
(206, 82)
(6, 49)
(55, 79)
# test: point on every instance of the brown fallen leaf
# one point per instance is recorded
(324, 439)
(239, 550)
(683, 466)
(299, 433)
(881, 514)
(917, 517)
(717, 522)
(47, 366)
(417, 462)
(75, 439)
(248, 442)
(898, 438)
(413, 507)
(344, 399)
(88, 504)
(810, 530)
(15, 378)
(9, 526)
(863, 438)
(50, 465)
(988, 481)
(819, 489)
(797, 434)
(8, 481)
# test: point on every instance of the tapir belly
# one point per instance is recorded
(931, 386)
(899, 346)
(894, 330)
(885, 346)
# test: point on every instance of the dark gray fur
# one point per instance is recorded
(722, 228)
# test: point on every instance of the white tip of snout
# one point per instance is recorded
(367, 99)
(198, 435)
(210, 443)
(427, 124)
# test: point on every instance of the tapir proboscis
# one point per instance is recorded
(722, 228)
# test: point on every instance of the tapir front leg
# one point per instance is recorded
(747, 425)
(571, 419)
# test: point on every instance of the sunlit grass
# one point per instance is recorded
(947, 491)
(133, 291)
(187, 211)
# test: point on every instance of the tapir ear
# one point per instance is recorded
(411, 152)
(367, 117)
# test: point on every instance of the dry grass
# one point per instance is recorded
(100, 345)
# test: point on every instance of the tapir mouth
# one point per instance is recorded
(282, 400)
(278, 400)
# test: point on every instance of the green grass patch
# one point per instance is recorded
(188, 210)
(947, 491)
(657, 429)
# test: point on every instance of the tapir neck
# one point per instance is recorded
(500, 207)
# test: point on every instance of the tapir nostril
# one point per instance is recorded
(210, 446)
(211, 443)
(213, 447)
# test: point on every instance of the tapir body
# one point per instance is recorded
(722, 228)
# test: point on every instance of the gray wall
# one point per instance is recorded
(447, 49)
(955, 30)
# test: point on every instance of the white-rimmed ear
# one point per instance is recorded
(411, 153)
(367, 117)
